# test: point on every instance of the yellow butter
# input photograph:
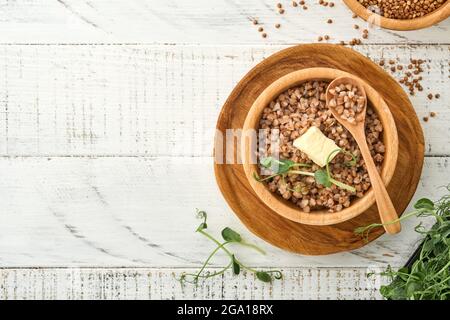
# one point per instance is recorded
(316, 145)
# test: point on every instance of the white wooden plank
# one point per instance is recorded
(154, 100)
(147, 283)
(135, 211)
(180, 21)
(96, 142)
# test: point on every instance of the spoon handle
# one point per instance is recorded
(385, 207)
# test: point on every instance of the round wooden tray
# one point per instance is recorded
(307, 239)
(428, 20)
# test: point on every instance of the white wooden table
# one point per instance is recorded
(107, 113)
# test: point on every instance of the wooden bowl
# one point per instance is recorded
(286, 208)
(442, 13)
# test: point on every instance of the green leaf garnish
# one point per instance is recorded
(277, 275)
(266, 162)
(276, 166)
(257, 178)
(342, 185)
(230, 235)
(236, 266)
(428, 276)
(202, 215)
(264, 276)
(280, 166)
(322, 178)
(424, 203)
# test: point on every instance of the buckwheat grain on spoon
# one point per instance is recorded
(347, 100)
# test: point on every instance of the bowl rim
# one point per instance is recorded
(286, 208)
(428, 20)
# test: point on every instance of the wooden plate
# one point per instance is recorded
(308, 239)
(442, 13)
(286, 208)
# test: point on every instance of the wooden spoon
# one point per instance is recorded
(385, 207)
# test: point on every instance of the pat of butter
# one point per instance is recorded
(316, 145)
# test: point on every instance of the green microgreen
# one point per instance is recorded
(230, 237)
(428, 276)
(284, 167)
(280, 166)
(322, 178)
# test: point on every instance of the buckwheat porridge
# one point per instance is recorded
(293, 112)
(348, 102)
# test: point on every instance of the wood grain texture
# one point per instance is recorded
(136, 211)
(141, 100)
(193, 22)
(99, 113)
(310, 239)
(428, 20)
(147, 283)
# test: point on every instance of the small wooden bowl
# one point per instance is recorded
(286, 208)
(442, 13)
